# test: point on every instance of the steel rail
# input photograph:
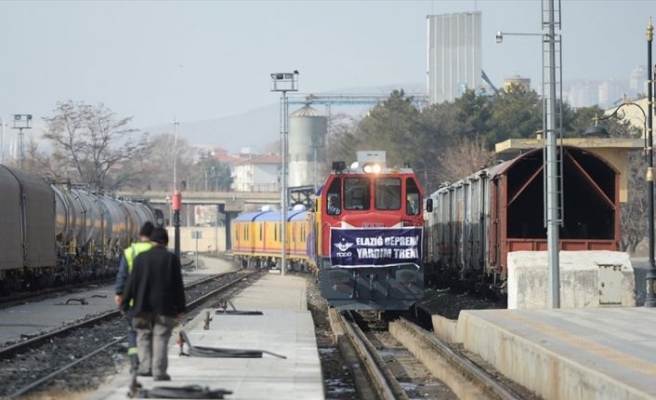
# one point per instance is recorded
(384, 383)
(472, 371)
(190, 306)
(9, 351)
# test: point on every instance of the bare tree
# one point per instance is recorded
(465, 157)
(159, 163)
(634, 215)
(94, 144)
(37, 161)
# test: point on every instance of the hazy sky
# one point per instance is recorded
(208, 59)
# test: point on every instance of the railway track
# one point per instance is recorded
(79, 346)
(372, 377)
(14, 299)
(376, 362)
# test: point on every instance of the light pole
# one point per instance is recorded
(177, 205)
(175, 154)
(284, 82)
(177, 196)
(22, 121)
(552, 126)
(2, 141)
(650, 277)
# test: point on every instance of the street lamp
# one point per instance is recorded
(499, 35)
(284, 82)
(650, 278)
(22, 121)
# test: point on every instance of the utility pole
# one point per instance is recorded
(284, 82)
(2, 144)
(21, 121)
(177, 205)
(650, 277)
(554, 189)
(175, 154)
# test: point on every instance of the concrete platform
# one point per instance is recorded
(32, 318)
(285, 328)
(591, 353)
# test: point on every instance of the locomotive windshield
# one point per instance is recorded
(388, 194)
(356, 193)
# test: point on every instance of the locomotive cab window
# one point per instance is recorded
(356, 194)
(388, 194)
(333, 200)
(412, 200)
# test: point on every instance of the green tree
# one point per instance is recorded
(392, 126)
(341, 140)
(472, 115)
(516, 113)
(577, 121)
(438, 125)
(209, 174)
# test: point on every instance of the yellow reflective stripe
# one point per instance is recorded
(134, 250)
(133, 350)
(131, 253)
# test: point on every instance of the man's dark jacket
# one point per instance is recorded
(155, 284)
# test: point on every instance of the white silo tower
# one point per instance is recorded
(307, 140)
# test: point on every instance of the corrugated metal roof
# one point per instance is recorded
(306, 111)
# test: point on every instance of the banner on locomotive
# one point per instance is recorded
(375, 247)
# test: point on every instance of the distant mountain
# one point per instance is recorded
(253, 129)
(260, 126)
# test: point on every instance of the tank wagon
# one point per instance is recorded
(477, 221)
(54, 235)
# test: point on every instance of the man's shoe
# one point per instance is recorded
(162, 378)
(145, 373)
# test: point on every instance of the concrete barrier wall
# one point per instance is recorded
(444, 328)
(212, 238)
(587, 279)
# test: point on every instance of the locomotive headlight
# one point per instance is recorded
(372, 168)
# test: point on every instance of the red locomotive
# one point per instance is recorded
(368, 228)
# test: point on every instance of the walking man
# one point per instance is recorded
(124, 270)
(156, 287)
